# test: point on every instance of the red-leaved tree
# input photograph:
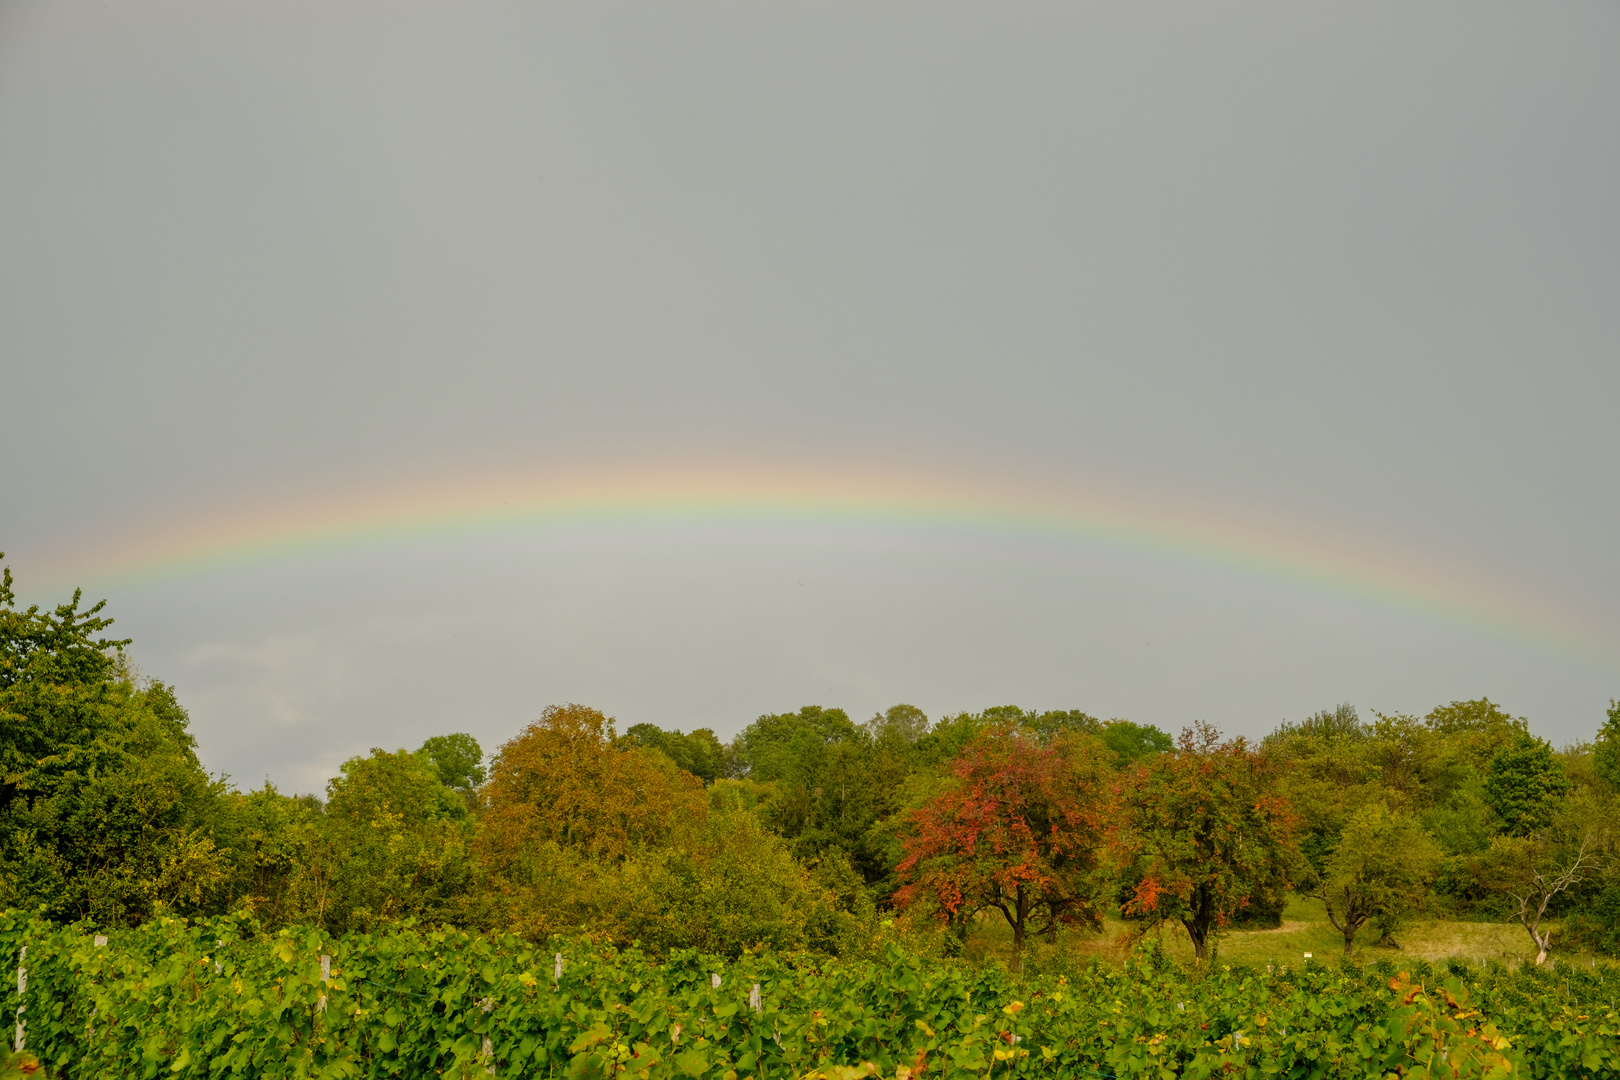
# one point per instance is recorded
(1204, 833)
(1020, 829)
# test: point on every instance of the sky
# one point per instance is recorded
(400, 368)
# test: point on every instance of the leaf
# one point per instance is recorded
(692, 1062)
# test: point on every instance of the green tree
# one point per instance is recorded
(1054, 723)
(399, 844)
(1339, 724)
(1132, 743)
(1466, 735)
(1464, 822)
(724, 886)
(700, 752)
(1606, 751)
(1405, 752)
(1525, 784)
(1468, 717)
(901, 723)
(1204, 834)
(833, 784)
(946, 740)
(53, 650)
(791, 746)
(282, 863)
(105, 811)
(457, 760)
(1325, 766)
(1381, 867)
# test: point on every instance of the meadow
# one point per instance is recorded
(1305, 933)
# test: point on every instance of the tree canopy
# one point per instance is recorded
(1205, 833)
(1381, 867)
(1019, 829)
(806, 830)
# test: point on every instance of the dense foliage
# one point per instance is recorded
(1205, 834)
(794, 856)
(1020, 831)
(225, 997)
(805, 829)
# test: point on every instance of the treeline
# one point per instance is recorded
(808, 830)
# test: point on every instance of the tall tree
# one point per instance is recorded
(832, 784)
(282, 862)
(1205, 834)
(1525, 784)
(565, 808)
(1020, 830)
(1466, 736)
(1324, 765)
(699, 752)
(1532, 871)
(105, 811)
(562, 779)
(457, 760)
(1606, 751)
(1381, 867)
(1132, 743)
(901, 723)
(400, 843)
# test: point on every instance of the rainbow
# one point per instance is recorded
(333, 517)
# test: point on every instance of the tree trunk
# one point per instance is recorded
(1198, 934)
(1199, 926)
(1019, 925)
(1350, 920)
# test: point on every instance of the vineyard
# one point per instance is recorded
(221, 998)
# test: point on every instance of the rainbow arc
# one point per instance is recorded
(270, 529)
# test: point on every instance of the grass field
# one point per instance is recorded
(1305, 929)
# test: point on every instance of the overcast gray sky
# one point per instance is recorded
(1352, 269)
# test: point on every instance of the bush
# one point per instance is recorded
(1597, 927)
(730, 886)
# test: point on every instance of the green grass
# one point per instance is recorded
(1305, 929)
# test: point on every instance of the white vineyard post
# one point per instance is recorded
(487, 1006)
(326, 977)
(714, 980)
(22, 988)
(755, 1002)
(556, 972)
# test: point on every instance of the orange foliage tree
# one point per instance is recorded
(561, 798)
(1020, 830)
(1203, 831)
